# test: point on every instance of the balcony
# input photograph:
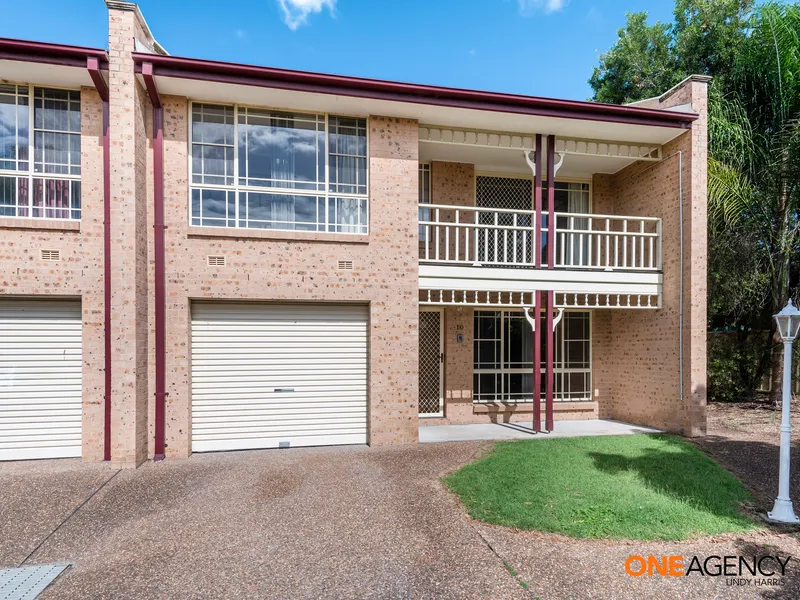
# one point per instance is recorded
(478, 256)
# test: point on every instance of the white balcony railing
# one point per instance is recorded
(464, 235)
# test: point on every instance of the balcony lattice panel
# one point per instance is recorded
(500, 245)
(430, 364)
(478, 299)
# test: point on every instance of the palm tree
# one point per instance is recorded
(754, 164)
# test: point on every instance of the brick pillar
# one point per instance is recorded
(129, 314)
(394, 316)
(91, 244)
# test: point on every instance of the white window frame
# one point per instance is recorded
(236, 188)
(31, 174)
(424, 213)
(558, 371)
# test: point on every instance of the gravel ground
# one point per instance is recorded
(347, 522)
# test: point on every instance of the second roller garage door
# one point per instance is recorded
(272, 375)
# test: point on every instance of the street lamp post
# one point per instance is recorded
(788, 325)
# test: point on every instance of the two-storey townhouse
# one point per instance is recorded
(200, 256)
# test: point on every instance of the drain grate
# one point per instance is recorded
(26, 583)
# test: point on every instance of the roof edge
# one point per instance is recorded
(243, 74)
(673, 89)
(49, 53)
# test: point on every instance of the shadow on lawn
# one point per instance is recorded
(755, 462)
(666, 472)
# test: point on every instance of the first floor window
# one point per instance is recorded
(40, 152)
(266, 169)
(503, 357)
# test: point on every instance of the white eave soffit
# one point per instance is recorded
(564, 145)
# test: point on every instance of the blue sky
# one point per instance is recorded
(537, 47)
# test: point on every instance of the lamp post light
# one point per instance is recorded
(788, 325)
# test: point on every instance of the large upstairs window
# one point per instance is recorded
(40, 152)
(264, 169)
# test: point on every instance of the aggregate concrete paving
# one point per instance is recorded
(346, 522)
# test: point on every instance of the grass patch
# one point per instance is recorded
(638, 487)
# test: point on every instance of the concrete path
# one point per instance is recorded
(523, 431)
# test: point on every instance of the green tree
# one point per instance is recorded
(647, 60)
(754, 165)
(640, 64)
(708, 35)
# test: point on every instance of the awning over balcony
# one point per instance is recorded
(503, 152)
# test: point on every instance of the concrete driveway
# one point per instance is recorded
(347, 522)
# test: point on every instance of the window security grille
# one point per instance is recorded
(503, 357)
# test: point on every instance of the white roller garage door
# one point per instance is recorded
(40, 379)
(271, 375)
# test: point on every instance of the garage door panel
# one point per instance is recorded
(258, 399)
(264, 442)
(284, 383)
(307, 424)
(314, 355)
(251, 416)
(40, 379)
(296, 427)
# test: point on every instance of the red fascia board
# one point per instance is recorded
(303, 81)
(53, 54)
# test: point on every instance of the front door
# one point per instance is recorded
(431, 360)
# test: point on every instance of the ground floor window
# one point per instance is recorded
(503, 357)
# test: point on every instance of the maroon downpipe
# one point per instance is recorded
(548, 424)
(537, 364)
(551, 200)
(551, 300)
(160, 296)
(107, 280)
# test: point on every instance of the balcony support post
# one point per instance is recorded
(550, 358)
(537, 202)
(537, 366)
(551, 300)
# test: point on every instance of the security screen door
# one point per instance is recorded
(430, 363)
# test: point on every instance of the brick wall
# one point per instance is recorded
(644, 346)
(286, 267)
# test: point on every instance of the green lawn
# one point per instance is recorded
(640, 487)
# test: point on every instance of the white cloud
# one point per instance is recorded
(527, 7)
(296, 12)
